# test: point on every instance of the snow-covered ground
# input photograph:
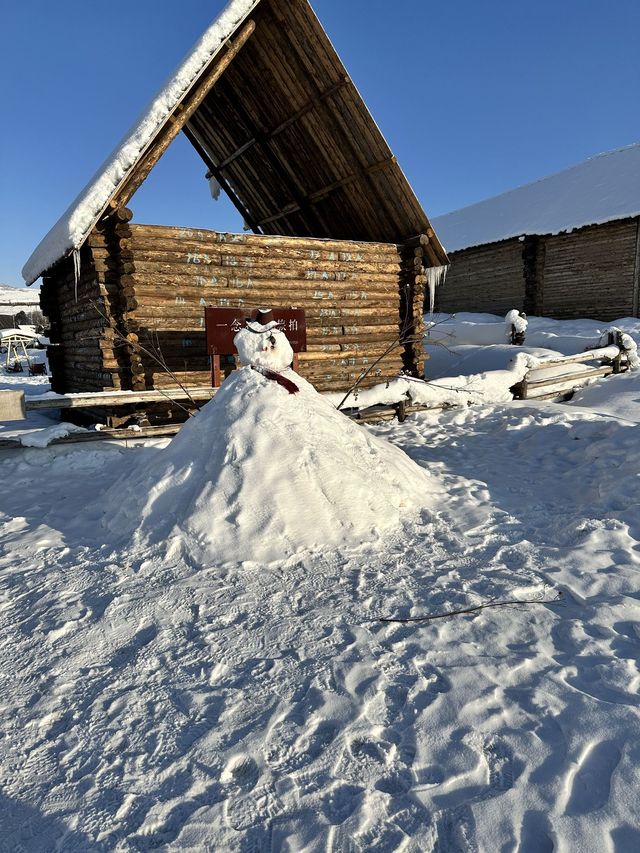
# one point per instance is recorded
(153, 702)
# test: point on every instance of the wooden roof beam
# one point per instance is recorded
(320, 194)
(303, 111)
(180, 116)
(194, 138)
(312, 218)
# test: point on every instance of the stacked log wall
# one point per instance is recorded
(351, 293)
(591, 272)
(83, 355)
(487, 279)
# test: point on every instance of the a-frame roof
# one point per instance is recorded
(265, 100)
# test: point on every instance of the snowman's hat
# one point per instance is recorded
(262, 321)
(264, 316)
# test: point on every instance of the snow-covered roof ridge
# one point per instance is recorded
(73, 227)
(603, 188)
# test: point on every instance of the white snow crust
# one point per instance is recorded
(151, 701)
(260, 474)
(602, 189)
(77, 221)
(467, 343)
(44, 437)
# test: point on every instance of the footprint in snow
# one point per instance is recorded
(456, 832)
(253, 809)
(500, 764)
(364, 759)
(340, 802)
(242, 772)
(590, 785)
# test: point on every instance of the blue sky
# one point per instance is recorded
(473, 97)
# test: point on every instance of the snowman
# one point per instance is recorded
(264, 347)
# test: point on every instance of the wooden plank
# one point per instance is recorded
(588, 355)
(568, 378)
(100, 435)
(107, 398)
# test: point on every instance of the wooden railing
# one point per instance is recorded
(538, 384)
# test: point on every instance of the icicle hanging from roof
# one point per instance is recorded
(214, 186)
(76, 271)
(435, 277)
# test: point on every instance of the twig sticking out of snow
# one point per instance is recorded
(137, 346)
(477, 607)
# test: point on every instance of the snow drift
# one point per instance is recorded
(260, 473)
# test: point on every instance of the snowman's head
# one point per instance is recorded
(265, 346)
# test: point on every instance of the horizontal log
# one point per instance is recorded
(317, 308)
(284, 254)
(259, 240)
(120, 398)
(189, 321)
(286, 292)
(218, 261)
(149, 274)
(568, 378)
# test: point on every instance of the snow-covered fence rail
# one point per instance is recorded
(556, 377)
(114, 398)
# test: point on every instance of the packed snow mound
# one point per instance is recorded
(618, 397)
(471, 329)
(259, 474)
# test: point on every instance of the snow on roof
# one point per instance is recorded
(602, 189)
(74, 225)
(18, 296)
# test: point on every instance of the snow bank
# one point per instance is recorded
(459, 344)
(459, 329)
(618, 397)
(478, 388)
(19, 297)
(44, 437)
(77, 221)
(490, 387)
(259, 474)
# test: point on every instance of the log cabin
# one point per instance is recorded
(336, 227)
(566, 246)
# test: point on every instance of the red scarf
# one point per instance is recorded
(291, 387)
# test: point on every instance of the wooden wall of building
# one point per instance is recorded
(486, 278)
(147, 286)
(591, 272)
(350, 292)
(84, 319)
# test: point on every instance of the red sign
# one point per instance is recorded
(223, 324)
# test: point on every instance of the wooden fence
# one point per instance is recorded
(550, 379)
